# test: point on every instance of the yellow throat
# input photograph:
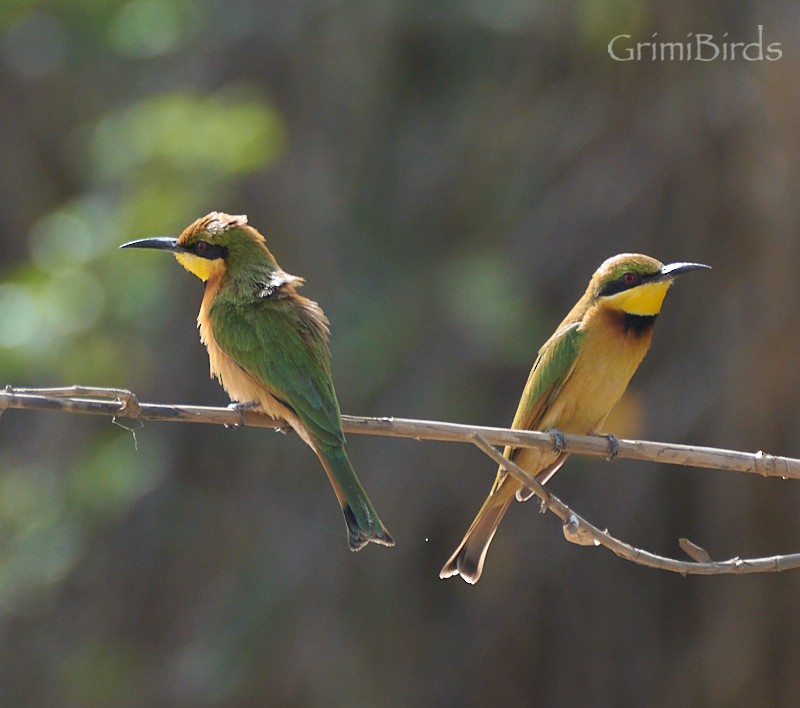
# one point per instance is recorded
(645, 300)
(203, 268)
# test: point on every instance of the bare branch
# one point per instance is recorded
(122, 403)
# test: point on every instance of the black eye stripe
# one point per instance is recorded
(212, 251)
(624, 282)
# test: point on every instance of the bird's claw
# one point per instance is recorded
(613, 446)
(241, 409)
(558, 440)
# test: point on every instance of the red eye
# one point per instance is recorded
(630, 278)
(200, 247)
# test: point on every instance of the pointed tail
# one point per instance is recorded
(363, 524)
(468, 559)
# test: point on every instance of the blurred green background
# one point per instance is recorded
(447, 177)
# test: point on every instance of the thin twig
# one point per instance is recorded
(122, 403)
(578, 530)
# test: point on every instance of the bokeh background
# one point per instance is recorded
(446, 176)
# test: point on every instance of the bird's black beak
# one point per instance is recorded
(672, 269)
(162, 243)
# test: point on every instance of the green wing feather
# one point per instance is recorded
(551, 369)
(282, 342)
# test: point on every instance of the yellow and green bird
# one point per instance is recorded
(579, 375)
(268, 346)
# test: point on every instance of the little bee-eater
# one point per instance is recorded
(579, 375)
(268, 346)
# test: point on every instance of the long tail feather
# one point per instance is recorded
(468, 559)
(363, 524)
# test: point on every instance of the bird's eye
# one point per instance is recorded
(211, 251)
(630, 278)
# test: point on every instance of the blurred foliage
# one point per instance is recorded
(446, 177)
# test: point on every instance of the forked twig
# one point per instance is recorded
(578, 530)
(123, 403)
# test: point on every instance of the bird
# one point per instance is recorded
(268, 347)
(579, 375)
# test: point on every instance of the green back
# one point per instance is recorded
(278, 342)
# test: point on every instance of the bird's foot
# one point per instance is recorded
(613, 446)
(241, 409)
(558, 439)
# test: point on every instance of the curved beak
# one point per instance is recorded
(162, 243)
(672, 269)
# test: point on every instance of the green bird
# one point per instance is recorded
(268, 347)
(578, 377)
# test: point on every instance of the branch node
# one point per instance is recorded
(766, 465)
(512, 468)
(695, 552)
(129, 404)
(575, 532)
(763, 463)
(542, 503)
